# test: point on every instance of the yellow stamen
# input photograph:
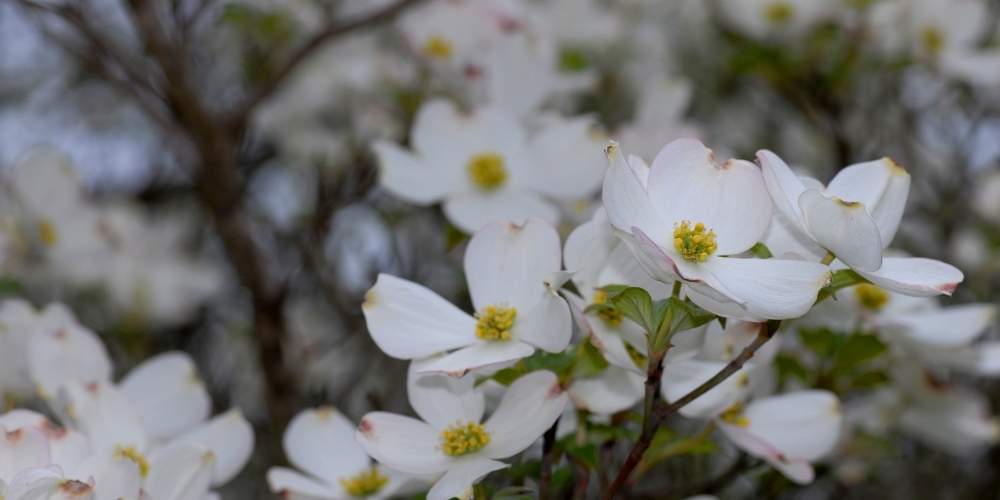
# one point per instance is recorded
(933, 40)
(871, 296)
(461, 439)
(487, 171)
(610, 316)
(695, 244)
(47, 232)
(734, 415)
(779, 12)
(495, 323)
(130, 453)
(637, 357)
(437, 47)
(365, 483)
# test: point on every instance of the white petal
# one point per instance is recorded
(888, 211)
(105, 415)
(796, 469)
(435, 128)
(864, 182)
(509, 263)
(19, 417)
(411, 178)
(21, 449)
(310, 441)
(180, 472)
(291, 485)
(62, 351)
(461, 476)
(772, 288)
(843, 227)
(786, 240)
(916, 276)
(587, 249)
(46, 483)
(114, 476)
(724, 307)
(783, 186)
(944, 328)
(167, 394)
(625, 198)
(802, 425)
(570, 159)
(685, 183)
(402, 443)
(230, 439)
(529, 407)
(614, 390)
(610, 341)
(479, 355)
(957, 421)
(681, 376)
(660, 265)
(442, 400)
(547, 325)
(407, 320)
(473, 211)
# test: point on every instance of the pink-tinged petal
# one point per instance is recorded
(440, 399)
(403, 443)
(115, 476)
(771, 288)
(684, 374)
(547, 325)
(570, 159)
(180, 472)
(529, 407)
(798, 470)
(19, 417)
(291, 485)
(47, 483)
(23, 448)
(229, 437)
(843, 227)
(475, 210)
(615, 389)
(480, 355)
(625, 198)
(686, 183)
(916, 276)
(948, 327)
(509, 264)
(168, 394)
(658, 263)
(62, 351)
(408, 321)
(461, 476)
(313, 433)
(783, 186)
(411, 178)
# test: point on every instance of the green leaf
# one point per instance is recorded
(789, 367)
(839, 280)
(761, 250)
(635, 304)
(857, 349)
(589, 362)
(515, 493)
(586, 453)
(869, 380)
(821, 341)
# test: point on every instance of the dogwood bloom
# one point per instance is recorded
(60, 350)
(687, 217)
(787, 431)
(855, 218)
(775, 18)
(483, 166)
(321, 443)
(456, 34)
(511, 272)
(453, 440)
(659, 117)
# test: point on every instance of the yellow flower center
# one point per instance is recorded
(694, 243)
(871, 296)
(779, 12)
(437, 47)
(130, 453)
(487, 171)
(461, 439)
(611, 317)
(933, 40)
(495, 322)
(47, 232)
(365, 483)
(734, 415)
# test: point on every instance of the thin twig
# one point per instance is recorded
(549, 453)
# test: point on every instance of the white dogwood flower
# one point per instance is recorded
(788, 431)
(510, 271)
(484, 167)
(855, 218)
(687, 217)
(453, 440)
(320, 442)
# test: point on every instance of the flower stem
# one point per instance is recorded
(548, 457)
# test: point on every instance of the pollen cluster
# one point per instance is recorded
(778, 12)
(47, 233)
(933, 40)
(130, 453)
(734, 416)
(695, 243)
(495, 323)
(487, 171)
(871, 296)
(437, 47)
(610, 316)
(461, 439)
(364, 483)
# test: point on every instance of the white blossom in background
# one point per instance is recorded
(511, 271)
(659, 117)
(452, 439)
(687, 217)
(776, 19)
